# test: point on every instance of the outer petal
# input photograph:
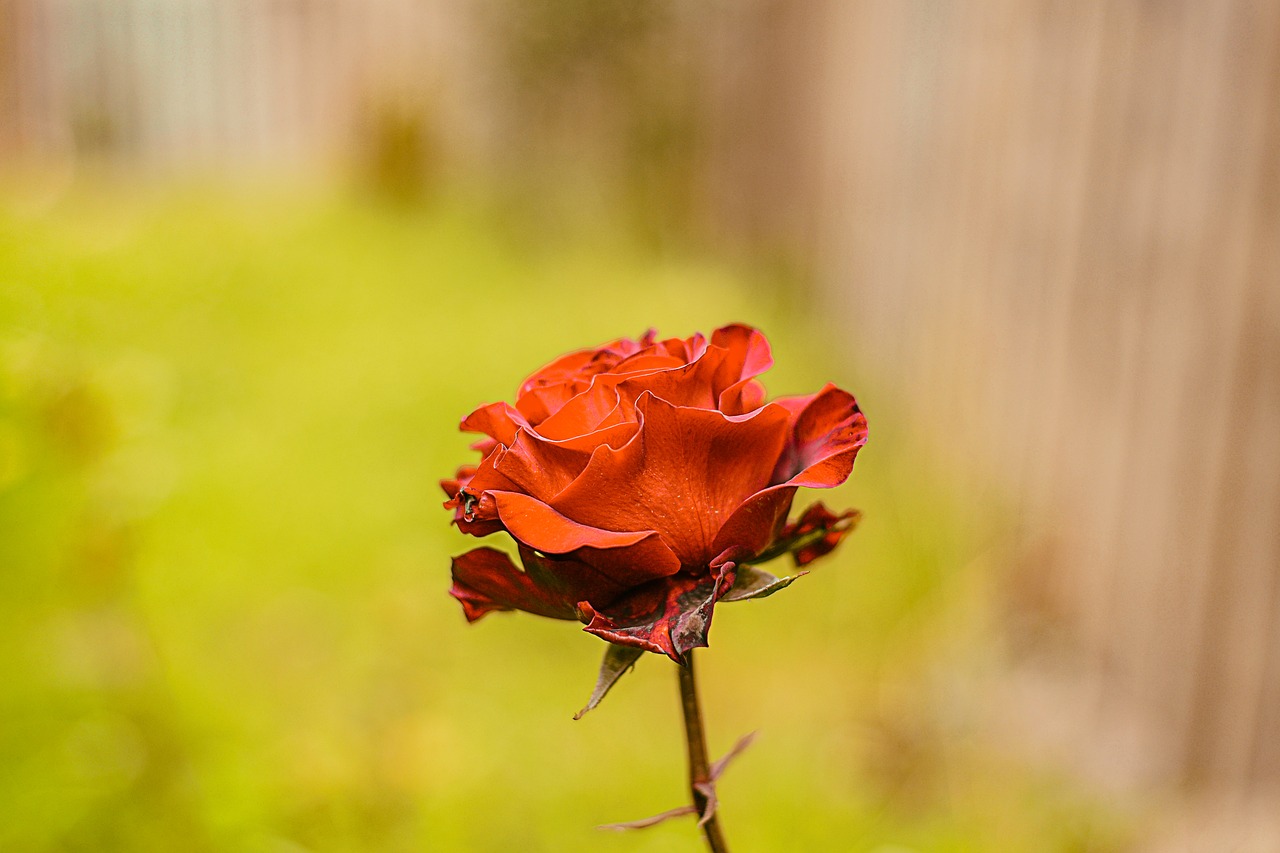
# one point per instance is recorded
(748, 348)
(682, 475)
(630, 558)
(454, 484)
(496, 420)
(828, 430)
(755, 524)
(671, 616)
(485, 580)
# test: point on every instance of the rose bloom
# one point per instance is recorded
(642, 480)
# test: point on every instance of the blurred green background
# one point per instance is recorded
(258, 257)
(223, 617)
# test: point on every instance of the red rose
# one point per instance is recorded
(640, 481)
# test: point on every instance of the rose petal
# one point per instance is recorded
(631, 558)
(539, 467)
(742, 397)
(473, 515)
(497, 420)
(542, 467)
(735, 353)
(590, 410)
(748, 348)
(812, 458)
(485, 580)
(655, 358)
(571, 578)
(542, 394)
(828, 432)
(486, 475)
(684, 473)
(474, 510)
(755, 524)
(691, 385)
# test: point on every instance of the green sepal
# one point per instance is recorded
(751, 582)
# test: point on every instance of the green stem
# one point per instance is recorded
(699, 766)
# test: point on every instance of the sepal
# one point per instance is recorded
(617, 660)
(751, 582)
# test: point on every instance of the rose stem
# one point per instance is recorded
(699, 767)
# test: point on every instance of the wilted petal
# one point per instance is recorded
(485, 580)
(671, 616)
(571, 578)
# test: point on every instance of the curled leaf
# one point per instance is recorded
(645, 823)
(706, 787)
(717, 769)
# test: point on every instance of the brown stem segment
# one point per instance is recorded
(699, 766)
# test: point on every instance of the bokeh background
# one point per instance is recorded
(257, 257)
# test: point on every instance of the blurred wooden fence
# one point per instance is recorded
(1054, 228)
(211, 84)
